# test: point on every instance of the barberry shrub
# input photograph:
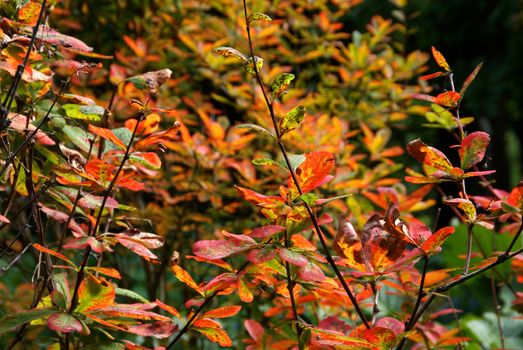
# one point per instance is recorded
(264, 196)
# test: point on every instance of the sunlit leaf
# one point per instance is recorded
(281, 83)
(448, 99)
(292, 119)
(94, 293)
(222, 312)
(468, 208)
(213, 331)
(473, 148)
(250, 66)
(429, 156)
(185, 277)
(258, 16)
(313, 172)
(440, 60)
(256, 128)
(229, 51)
(433, 243)
(515, 198)
(29, 12)
(89, 113)
(108, 135)
(53, 253)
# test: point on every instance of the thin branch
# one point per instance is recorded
(80, 275)
(470, 226)
(312, 216)
(6, 106)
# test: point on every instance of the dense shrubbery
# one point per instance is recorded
(183, 191)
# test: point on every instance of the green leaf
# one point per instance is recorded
(281, 83)
(292, 119)
(249, 67)
(89, 113)
(10, 322)
(256, 128)
(309, 198)
(258, 16)
(266, 161)
(130, 294)
(296, 161)
(137, 81)
(78, 136)
(229, 51)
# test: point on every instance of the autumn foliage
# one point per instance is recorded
(242, 175)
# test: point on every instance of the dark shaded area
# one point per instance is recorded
(471, 31)
(468, 32)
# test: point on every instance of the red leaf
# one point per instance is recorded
(254, 329)
(133, 311)
(158, 329)
(429, 156)
(222, 312)
(424, 97)
(259, 256)
(108, 135)
(4, 219)
(432, 245)
(218, 249)
(432, 76)
(51, 36)
(221, 282)
(313, 172)
(293, 257)
(84, 242)
(515, 198)
(311, 272)
(266, 231)
(470, 79)
(64, 323)
(440, 60)
(448, 99)
(473, 149)
(137, 248)
(20, 123)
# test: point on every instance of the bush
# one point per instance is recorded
(186, 180)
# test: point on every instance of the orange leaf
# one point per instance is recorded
(429, 156)
(448, 99)
(213, 331)
(169, 309)
(53, 253)
(108, 135)
(222, 312)
(515, 198)
(440, 60)
(184, 277)
(313, 172)
(28, 14)
(94, 293)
